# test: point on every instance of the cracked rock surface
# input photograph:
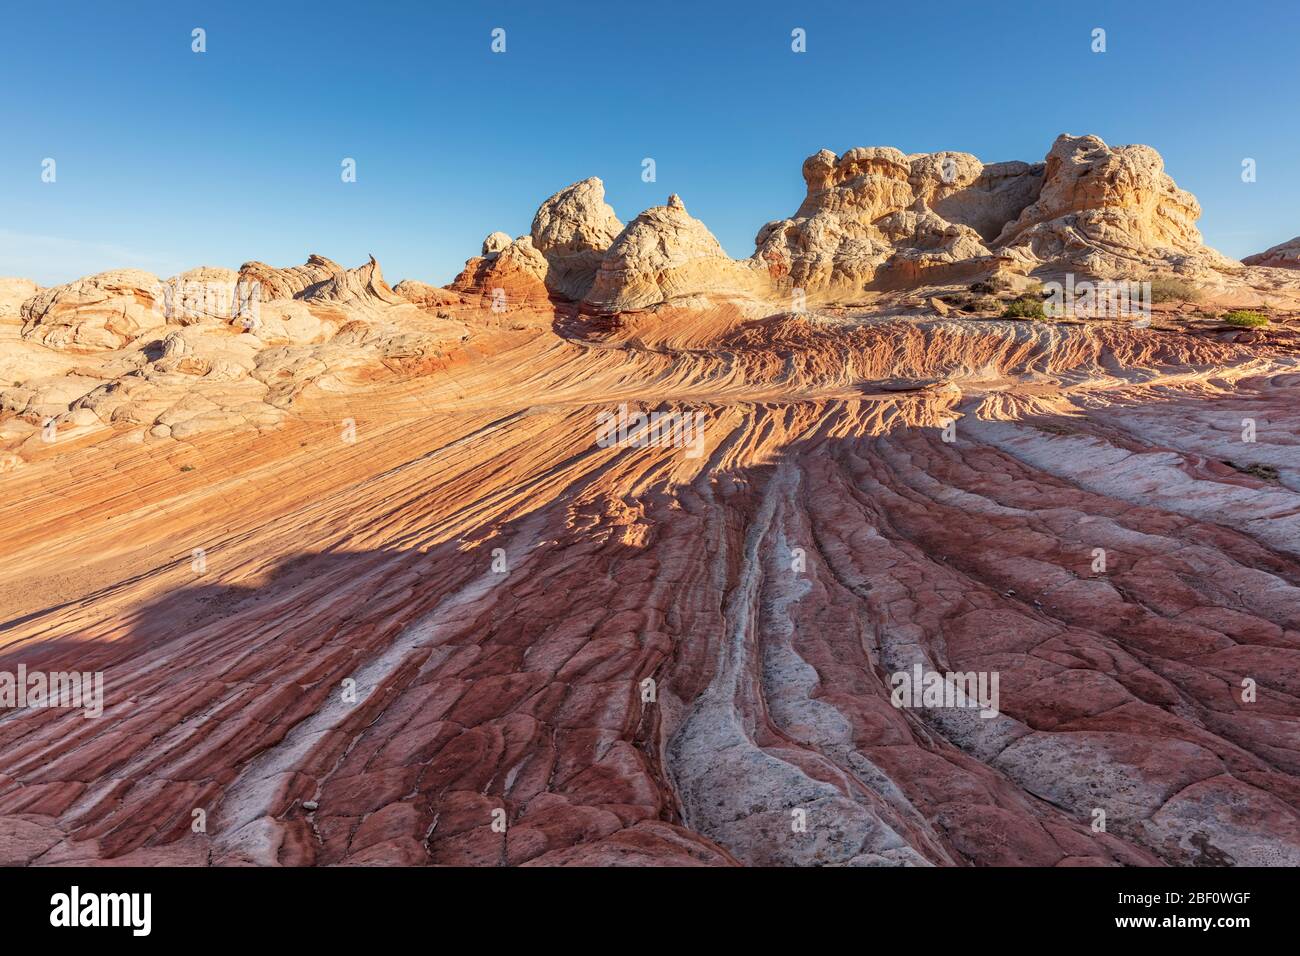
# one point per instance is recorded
(367, 583)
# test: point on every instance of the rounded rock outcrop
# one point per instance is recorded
(105, 311)
(665, 253)
(572, 230)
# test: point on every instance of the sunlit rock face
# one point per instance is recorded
(1088, 208)
(572, 231)
(662, 255)
(1285, 255)
(1108, 212)
(615, 552)
(105, 311)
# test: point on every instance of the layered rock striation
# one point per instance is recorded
(875, 219)
(1285, 255)
(664, 647)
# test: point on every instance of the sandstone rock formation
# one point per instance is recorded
(324, 283)
(205, 294)
(105, 311)
(1285, 255)
(647, 652)
(876, 218)
(495, 244)
(522, 692)
(13, 293)
(291, 282)
(1109, 212)
(427, 297)
(572, 230)
(508, 274)
(663, 254)
(871, 204)
(207, 350)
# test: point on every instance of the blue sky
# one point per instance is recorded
(167, 159)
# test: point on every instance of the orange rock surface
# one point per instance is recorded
(367, 586)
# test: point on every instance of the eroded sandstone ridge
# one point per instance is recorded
(365, 579)
(1285, 255)
(874, 219)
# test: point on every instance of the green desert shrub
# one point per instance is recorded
(1028, 306)
(1245, 318)
(992, 285)
(1169, 289)
(968, 302)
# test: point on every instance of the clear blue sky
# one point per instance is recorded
(169, 159)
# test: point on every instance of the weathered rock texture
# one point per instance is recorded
(1109, 212)
(1285, 255)
(872, 210)
(874, 220)
(509, 274)
(363, 580)
(325, 283)
(427, 297)
(875, 217)
(665, 254)
(13, 293)
(210, 349)
(572, 230)
(105, 311)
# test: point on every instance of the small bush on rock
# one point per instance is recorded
(1244, 318)
(1027, 306)
(1169, 289)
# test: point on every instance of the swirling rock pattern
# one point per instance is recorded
(376, 581)
(513, 680)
